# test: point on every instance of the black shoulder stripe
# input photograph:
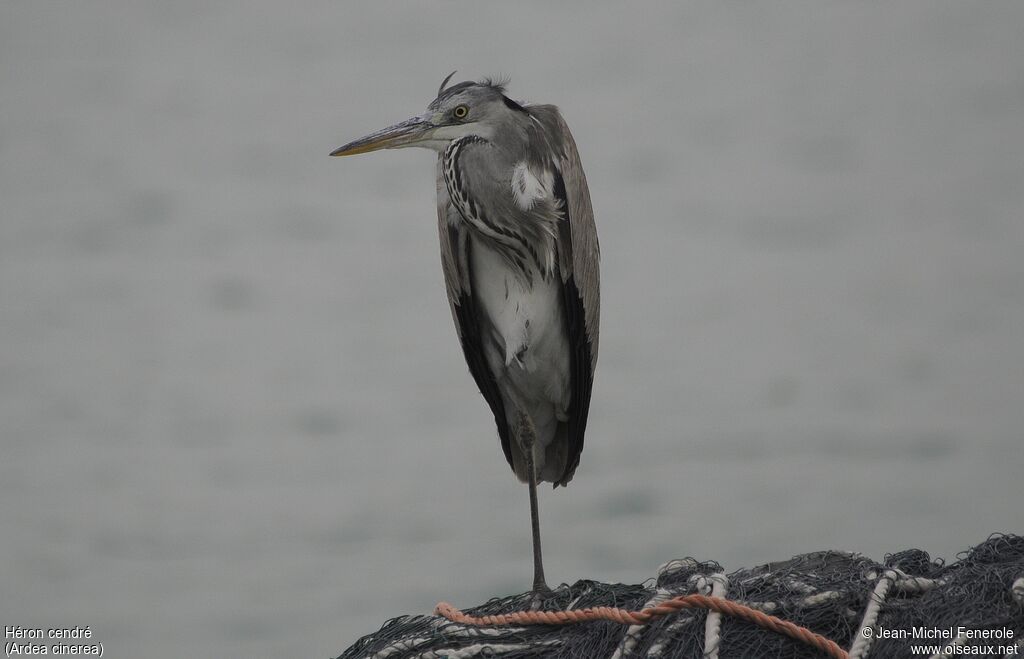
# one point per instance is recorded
(512, 105)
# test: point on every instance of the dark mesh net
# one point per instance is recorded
(913, 601)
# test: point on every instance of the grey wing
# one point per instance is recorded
(579, 264)
(586, 253)
(455, 247)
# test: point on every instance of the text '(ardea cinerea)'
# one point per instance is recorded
(520, 257)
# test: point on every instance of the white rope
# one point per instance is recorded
(402, 647)
(472, 631)
(891, 579)
(632, 637)
(819, 599)
(405, 645)
(482, 650)
(862, 642)
(1017, 591)
(908, 584)
(713, 624)
(767, 607)
(683, 618)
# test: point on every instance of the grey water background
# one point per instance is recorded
(235, 420)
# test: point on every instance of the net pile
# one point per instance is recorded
(974, 606)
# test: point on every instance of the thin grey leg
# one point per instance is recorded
(528, 437)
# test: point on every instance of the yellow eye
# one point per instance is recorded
(460, 112)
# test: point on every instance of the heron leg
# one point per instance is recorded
(528, 436)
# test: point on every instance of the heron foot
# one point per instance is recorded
(539, 595)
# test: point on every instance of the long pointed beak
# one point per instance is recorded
(401, 134)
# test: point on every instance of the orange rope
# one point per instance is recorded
(625, 617)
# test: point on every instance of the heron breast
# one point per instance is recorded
(526, 321)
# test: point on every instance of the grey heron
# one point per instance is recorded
(520, 258)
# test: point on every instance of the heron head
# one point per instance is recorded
(466, 108)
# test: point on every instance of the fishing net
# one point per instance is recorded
(908, 605)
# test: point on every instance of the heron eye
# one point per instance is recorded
(460, 112)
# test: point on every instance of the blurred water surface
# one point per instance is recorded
(235, 419)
